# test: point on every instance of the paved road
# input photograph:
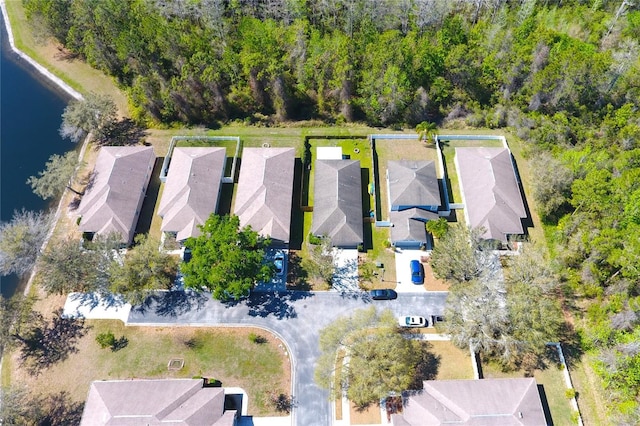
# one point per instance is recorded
(296, 316)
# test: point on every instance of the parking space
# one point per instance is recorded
(280, 259)
(403, 273)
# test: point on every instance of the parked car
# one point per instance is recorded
(417, 272)
(412, 321)
(383, 294)
(278, 262)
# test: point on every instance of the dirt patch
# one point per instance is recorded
(368, 416)
(431, 283)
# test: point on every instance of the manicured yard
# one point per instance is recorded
(551, 379)
(224, 354)
(453, 363)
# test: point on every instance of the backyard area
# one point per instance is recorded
(552, 382)
(228, 355)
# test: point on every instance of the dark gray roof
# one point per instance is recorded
(413, 183)
(409, 225)
(192, 190)
(486, 402)
(490, 190)
(265, 190)
(337, 204)
(178, 402)
(113, 202)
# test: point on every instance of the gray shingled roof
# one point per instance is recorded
(409, 225)
(113, 202)
(337, 205)
(192, 189)
(490, 190)
(265, 190)
(413, 183)
(178, 402)
(486, 402)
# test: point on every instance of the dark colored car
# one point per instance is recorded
(417, 272)
(383, 294)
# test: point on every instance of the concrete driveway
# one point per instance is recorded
(403, 274)
(297, 317)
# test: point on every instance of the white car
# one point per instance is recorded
(412, 321)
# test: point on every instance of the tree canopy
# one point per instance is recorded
(95, 113)
(21, 240)
(56, 176)
(226, 259)
(145, 269)
(378, 359)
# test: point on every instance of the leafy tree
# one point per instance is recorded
(92, 114)
(226, 260)
(56, 176)
(552, 186)
(438, 228)
(43, 342)
(458, 256)
(21, 240)
(14, 313)
(380, 359)
(145, 269)
(319, 263)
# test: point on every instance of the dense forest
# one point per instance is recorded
(564, 75)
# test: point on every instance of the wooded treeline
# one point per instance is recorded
(563, 75)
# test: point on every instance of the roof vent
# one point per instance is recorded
(520, 414)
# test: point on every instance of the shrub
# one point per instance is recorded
(256, 338)
(315, 240)
(570, 393)
(106, 340)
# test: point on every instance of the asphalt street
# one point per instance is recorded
(296, 316)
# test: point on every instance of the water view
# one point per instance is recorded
(30, 110)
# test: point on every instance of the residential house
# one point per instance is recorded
(192, 190)
(414, 199)
(337, 205)
(504, 402)
(113, 200)
(265, 190)
(490, 191)
(179, 402)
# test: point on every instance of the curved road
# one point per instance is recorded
(296, 316)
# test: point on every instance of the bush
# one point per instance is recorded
(315, 240)
(570, 393)
(106, 340)
(256, 338)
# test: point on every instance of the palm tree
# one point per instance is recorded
(426, 130)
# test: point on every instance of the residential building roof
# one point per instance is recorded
(490, 191)
(112, 202)
(413, 183)
(409, 225)
(486, 402)
(192, 189)
(176, 402)
(337, 205)
(265, 190)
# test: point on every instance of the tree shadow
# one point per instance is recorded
(120, 343)
(278, 304)
(173, 302)
(93, 300)
(297, 276)
(427, 367)
(121, 133)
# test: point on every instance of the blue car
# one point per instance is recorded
(417, 272)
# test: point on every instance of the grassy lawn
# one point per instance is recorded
(551, 378)
(589, 395)
(74, 72)
(224, 354)
(454, 363)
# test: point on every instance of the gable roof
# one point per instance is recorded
(337, 205)
(192, 189)
(486, 402)
(155, 402)
(112, 203)
(265, 189)
(413, 183)
(490, 191)
(409, 225)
